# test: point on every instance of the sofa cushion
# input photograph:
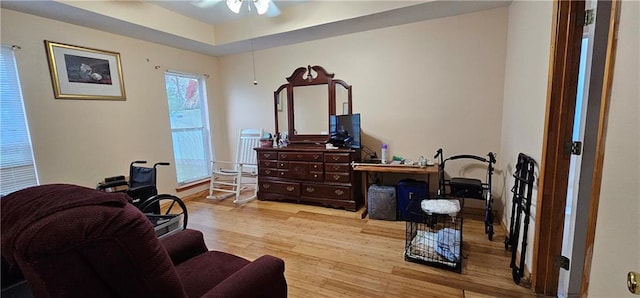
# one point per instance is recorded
(201, 273)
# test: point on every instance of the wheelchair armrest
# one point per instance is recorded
(265, 276)
(106, 185)
(184, 245)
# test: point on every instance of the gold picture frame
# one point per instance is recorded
(84, 73)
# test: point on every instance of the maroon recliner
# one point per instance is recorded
(72, 241)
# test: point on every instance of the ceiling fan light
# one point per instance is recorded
(261, 6)
(234, 5)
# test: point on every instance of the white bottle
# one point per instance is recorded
(383, 154)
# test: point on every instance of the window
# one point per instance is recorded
(189, 126)
(17, 167)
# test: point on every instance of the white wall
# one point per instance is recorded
(418, 87)
(525, 96)
(83, 141)
(617, 239)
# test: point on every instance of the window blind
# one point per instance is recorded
(17, 167)
(189, 130)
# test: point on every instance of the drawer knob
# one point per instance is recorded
(336, 177)
(281, 173)
(267, 155)
(310, 189)
(316, 156)
(299, 156)
(267, 163)
(267, 172)
(290, 188)
(336, 168)
(336, 158)
(284, 155)
(265, 186)
(339, 192)
(315, 175)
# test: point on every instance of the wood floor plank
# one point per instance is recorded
(333, 253)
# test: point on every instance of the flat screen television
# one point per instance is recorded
(345, 130)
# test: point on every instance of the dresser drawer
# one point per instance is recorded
(270, 172)
(301, 156)
(286, 188)
(316, 176)
(283, 173)
(268, 155)
(315, 166)
(337, 177)
(268, 163)
(283, 164)
(326, 191)
(337, 167)
(337, 157)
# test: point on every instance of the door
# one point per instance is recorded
(576, 210)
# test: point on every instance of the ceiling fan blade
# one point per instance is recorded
(205, 3)
(273, 10)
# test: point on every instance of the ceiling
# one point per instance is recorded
(209, 27)
(215, 11)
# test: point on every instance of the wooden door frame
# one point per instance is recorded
(566, 41)
(564, 61)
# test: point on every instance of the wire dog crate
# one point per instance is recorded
(434, 240)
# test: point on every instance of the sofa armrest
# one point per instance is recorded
(184, 245)
(263, 277)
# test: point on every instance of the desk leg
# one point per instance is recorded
(365, 188)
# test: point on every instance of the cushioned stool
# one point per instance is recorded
(382, 202)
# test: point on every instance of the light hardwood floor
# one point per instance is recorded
(334, 253)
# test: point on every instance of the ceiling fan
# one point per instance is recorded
(262, 7)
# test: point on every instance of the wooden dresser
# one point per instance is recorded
(310, 175)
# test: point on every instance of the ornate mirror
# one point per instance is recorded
(303, 106)
(342, 97)
(281, 109)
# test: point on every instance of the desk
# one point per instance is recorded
(387, 168)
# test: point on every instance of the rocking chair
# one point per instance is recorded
(241, 175)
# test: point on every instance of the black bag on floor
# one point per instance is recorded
(407, 189)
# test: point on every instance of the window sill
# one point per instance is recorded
(192, 185)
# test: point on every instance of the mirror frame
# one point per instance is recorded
(276, 94)
(302, 76)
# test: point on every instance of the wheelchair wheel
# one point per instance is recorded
(165, 204)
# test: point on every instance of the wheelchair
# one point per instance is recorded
(460, 187)
(161, 209)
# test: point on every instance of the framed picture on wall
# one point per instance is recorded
(84, 73)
